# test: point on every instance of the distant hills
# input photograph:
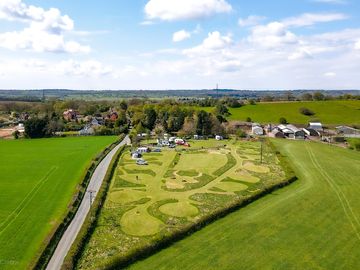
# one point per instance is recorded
(36, 95)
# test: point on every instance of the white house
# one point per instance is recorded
(86, 131)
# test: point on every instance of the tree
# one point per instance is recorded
(122, 120)
(203, 123)
(123, 105)
(216, 127)
(150, 118)
(54, 125)
(189, 127)
(16, 134)
(307, 97)
(318, 96)
(159, 130)
(241, 134)
(221, 109)
(35, 127)
(268, 98)
(248, 119)
(252, 102)
(283, 121)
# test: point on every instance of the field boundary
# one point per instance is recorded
(162, 243)
(91, 220)
(51, 242)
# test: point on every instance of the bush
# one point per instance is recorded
(283, 121)
(306, 111)
(241, 133)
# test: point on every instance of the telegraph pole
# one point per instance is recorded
(261, 151)
(91, 192)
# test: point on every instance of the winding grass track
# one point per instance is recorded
(37, 181)
(312, 224)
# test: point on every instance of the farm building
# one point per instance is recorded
(276, 134)
(257, 129)
(311, 132)
(316, 126)
(286, 131)
(348, 131)
(299, 134)
(292, 132)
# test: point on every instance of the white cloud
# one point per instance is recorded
(308, 19)
(357, 45)
(330, 74)
(181, 35)
(331, 1)
(272, 35)
(212, 44)
(90, 68)
(250, 20)
(172, 10)
(301, 53)
(44, 32)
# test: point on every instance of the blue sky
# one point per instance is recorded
(180, 44)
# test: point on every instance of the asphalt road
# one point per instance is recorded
(70, 234)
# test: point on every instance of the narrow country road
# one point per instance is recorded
(75, 226)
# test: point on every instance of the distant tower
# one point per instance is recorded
(217, 90)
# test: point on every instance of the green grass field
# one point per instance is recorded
(328, 112)
(177, 189)
(311, 224)
(37, 181)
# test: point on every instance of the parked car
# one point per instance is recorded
(172, 146)
(141, 162)
(157, 150)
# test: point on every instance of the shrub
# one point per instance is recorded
(283, 121)
(306, 111)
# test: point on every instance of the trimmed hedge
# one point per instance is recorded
(55, 237)
(91, 220)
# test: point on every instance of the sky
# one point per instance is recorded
(179, 44)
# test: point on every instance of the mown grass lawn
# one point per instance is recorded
(311, 224)
(37, 181)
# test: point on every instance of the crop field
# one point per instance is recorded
(37, 181)
(177, 189)
(312, 224)
(329, 112)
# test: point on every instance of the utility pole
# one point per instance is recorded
(91, 192)
(217, 90)
(261, 151)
